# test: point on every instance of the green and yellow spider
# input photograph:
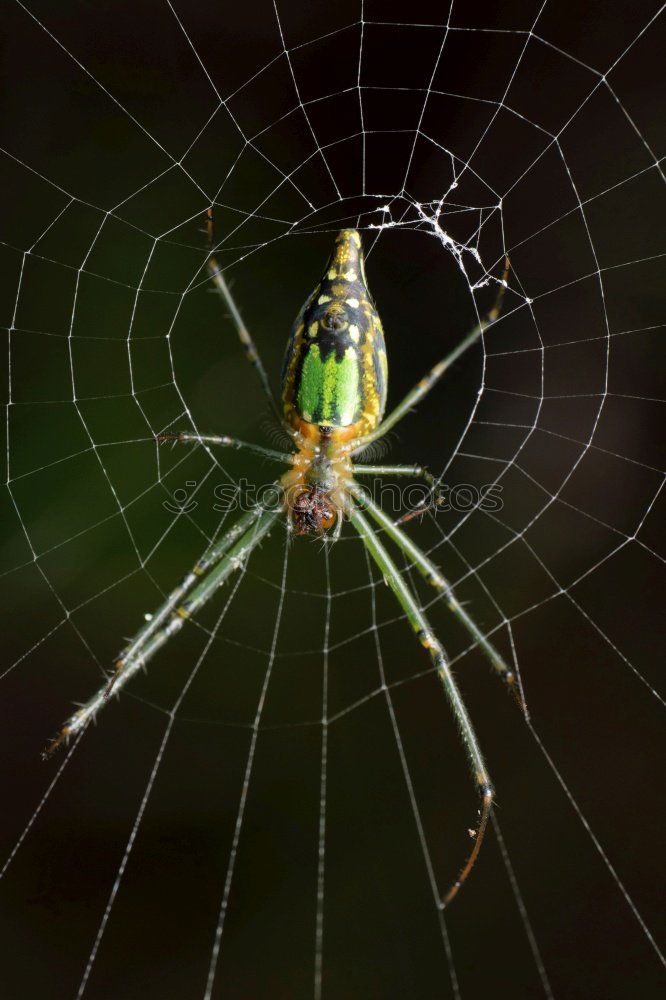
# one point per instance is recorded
(334, 384)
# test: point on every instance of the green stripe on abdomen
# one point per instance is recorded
(329, 391)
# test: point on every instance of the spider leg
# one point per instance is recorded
(209, 558)
(423, 387)
(427, 638)
(209, 573)
(417, 471)
(433, 576)
(224, 441)
(434, 497)
(251, 352)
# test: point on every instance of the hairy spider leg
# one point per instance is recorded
(429, 641)
(249, 346)
(208, 574)
(211, 556)
(224, 441)
(417, 471)
(432, 575)
(251, 352)
(432, 377)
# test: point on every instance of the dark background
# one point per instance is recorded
(108, 193)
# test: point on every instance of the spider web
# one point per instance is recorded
(276, 806)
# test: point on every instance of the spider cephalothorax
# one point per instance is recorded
(312, 512)
(334, 381)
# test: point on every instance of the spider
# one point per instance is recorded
(334, 386)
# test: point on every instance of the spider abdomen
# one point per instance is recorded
(335, 369)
